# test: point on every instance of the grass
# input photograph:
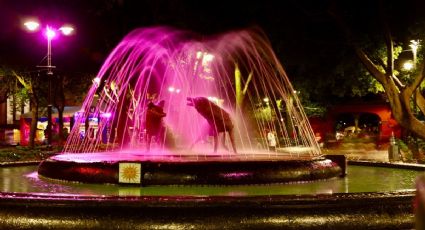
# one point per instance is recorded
(25, 154)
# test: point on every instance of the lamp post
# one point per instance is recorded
(50, 33)
(414, 44)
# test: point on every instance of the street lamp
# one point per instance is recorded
(408, 65)
(414, 44)
(50, 33)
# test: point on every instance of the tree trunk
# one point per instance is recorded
(403, 114)
(34, 120)
(59, 103)
(60, 121)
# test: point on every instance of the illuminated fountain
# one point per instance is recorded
(236, 71)
(172, 69)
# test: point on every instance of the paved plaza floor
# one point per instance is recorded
(359, 154)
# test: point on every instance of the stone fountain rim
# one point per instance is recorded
(378, 210)
(101, 168)
(150, 201)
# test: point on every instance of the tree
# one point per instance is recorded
(30, 84)
(59, 102)
(70, 90)
(7, 83)
(401, 92)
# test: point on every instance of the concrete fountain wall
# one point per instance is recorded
(333, 211)
(180, 170)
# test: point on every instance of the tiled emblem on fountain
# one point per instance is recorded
(129, 173)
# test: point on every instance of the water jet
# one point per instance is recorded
(220, 81)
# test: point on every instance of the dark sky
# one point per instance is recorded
(297, 28)
(101, 24)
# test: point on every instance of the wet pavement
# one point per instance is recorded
(359, 154)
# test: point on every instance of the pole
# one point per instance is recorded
(49, 98)
(414, 44)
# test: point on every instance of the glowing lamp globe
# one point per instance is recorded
(32, 26)
(50, 33)
(66, 30)
(408, 65)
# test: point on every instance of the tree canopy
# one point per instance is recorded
(404, 92)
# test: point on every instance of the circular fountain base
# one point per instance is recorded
(172, 169)
(326, 211)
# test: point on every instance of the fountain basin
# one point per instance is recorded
(337, 208)
(169, 169)
(331, 211)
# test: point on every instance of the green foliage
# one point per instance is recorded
(409, 146)
(20, 97)
(20, 153)
(263, 114)
(345, 78)
(6, 84)
(367, 84)
(76, 87)
(313, 109)
(380, 53)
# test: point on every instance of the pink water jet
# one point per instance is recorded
(235, 70)
(173, 107)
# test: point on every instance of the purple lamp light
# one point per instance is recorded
(50, 33)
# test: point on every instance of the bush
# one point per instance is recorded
(412, 150)
(24, 153)
(406, 153)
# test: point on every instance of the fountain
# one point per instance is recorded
(178, 142)
(162, 94)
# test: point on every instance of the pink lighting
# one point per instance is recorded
(172, 89)
(66, 30)
(96, 81)
(50, 33)
(32, 25)
(162, 64)
(106, 115)
(215, 100)
(237, 174)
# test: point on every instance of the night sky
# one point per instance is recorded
(300, 31)
(101, 24)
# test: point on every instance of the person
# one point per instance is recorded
(65, 132)
(271, 140)
(46, 137)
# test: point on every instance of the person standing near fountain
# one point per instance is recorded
(154, 125)
(271, 140)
